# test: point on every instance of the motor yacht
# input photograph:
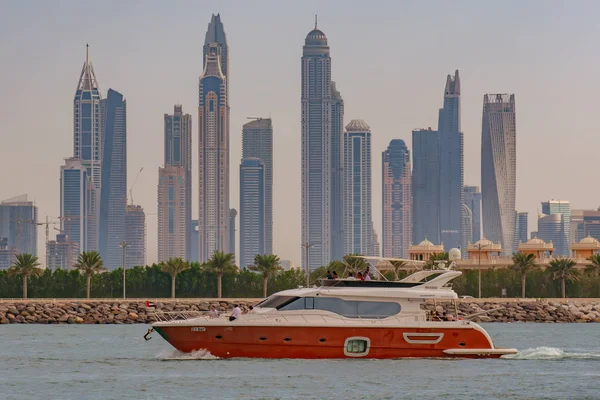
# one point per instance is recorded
(341, 318)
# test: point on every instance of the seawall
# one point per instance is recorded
(114, 311)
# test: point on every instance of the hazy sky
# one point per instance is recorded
(389, 59)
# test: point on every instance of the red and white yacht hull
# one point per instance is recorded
(433, 339)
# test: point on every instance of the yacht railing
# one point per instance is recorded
(200, 317)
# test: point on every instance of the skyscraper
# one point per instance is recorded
(466, 227)
(426, 186)
(135, 235)
(498, 169)
(336, 201)
(87, 144)
(550, 230)
(113, 193)
(252, 210)
(563, 208)
(18, 224)
(87, 147)
(397, 200)
(213, 144)
(316, 148)
(172, 233)
(472, 199)
(61, 253)
(8, 255)
(522, 229)
(585, 223)
(451, 164)
(358, 221)
(77, 213)
(178, 153)
(257, 142)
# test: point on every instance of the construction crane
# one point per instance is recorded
(133, 184)
(48, 223)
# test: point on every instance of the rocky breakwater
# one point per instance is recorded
(523, 311)
(136, 312)
(102, 312)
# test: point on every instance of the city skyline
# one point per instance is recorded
(531, 118)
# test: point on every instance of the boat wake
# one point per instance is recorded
(551, 353)
(172, 354)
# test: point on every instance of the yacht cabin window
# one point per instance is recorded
(346, 308)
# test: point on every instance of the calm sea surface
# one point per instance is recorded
(114, 362)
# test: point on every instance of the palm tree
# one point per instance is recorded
(267, 265)
(220, 263)
(432, 263)
(563, 269)
(354, 263)
(397, 265)
(25, 265)
(523, 263)
(89, 262)
(594, 267)
(173, 267)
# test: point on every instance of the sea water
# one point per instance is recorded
(555, 361)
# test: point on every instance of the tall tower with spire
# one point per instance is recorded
(87, 148)
(316, 148)
(213, 144)
(451, 165)
(87, 143)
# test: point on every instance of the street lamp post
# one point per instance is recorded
(307, 246)
(124, 245)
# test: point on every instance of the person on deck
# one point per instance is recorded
(335, 275)
(235, 313)
(360, 277)
(329, 276)
(350, 277)
(213, 313)
(366, 275)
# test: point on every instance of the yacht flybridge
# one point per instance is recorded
(342, 318)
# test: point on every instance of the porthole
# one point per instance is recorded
(322, 340)
(262, 338)
(287, 339)
(357, 346)
(219, 337)
(462, 344)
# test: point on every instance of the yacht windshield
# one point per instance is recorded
(276, 301)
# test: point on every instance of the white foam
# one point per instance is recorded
(550, 353)
(173, 354)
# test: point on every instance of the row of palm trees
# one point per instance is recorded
(561, 269)
(27, 265)
(90, 263)
(221, 263)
